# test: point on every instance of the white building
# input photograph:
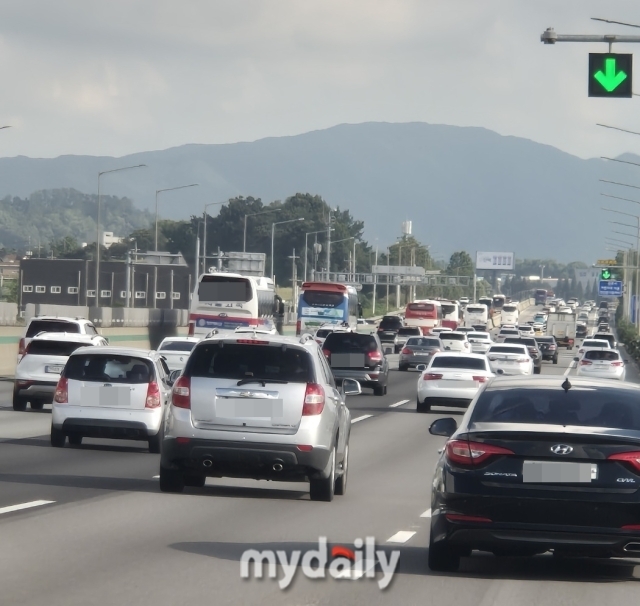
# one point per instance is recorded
(108, 239)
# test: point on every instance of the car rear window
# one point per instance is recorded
(608, 338)
(509, 308)
(323, 333)
(582, 406)
(527, 342)
(509, 332)
(38, 326)
(245, 361)
(348, 342)
(409, 331)
(545, 340)
(53, 348)
(478, 335)
(178, 346)
(112, 368)
(419, 342)
(602, 354)
(592, 343)
(392, 322)
(459, 362)
(476, 310)
(506, 350)
(452, 336)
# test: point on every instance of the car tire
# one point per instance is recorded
(57, 438)
(555, 360)
(171, 480)
(75, 439)
(403, 368)
(378, 390)
(155, 443)
(195, 480)
(37, 404)
(422, 406)
(19, 402)
(341, 482)
(441, 557)
(323, 489)
(537, 370)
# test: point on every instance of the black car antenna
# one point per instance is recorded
(566, 385)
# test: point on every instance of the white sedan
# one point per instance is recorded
(451, 379)
(601, 364)
(176, 351)
(589, 344)
(512, 359)
(480, 342)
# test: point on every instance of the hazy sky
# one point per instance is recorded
(119, 76)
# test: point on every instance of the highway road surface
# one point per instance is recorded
(87, 525)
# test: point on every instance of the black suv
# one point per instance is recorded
(388, 328)
(356, 356)
(533, 348)
(548, 348)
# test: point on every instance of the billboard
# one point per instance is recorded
(495, 260)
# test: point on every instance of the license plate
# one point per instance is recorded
(343, 360)
(558, 472)
(242, 408)
(54, 369)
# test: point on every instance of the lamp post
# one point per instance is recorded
(105, 172)
(273, 233)
(158, 191)
(306, 245)
(204, 237)
(264, 212)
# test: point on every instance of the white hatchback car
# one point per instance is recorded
(455, 341)
(451, 379)
(480, 342)
(111, 392)
(507, 332)
(526, 330)
(601, 364)
(512, 359)
(176, 350)
(40, 366)
(438, 330)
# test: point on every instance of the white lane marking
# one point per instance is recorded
(571, 367)
(362, 418)
(155, 478)
(400, 403)
(426, 514)
(20, 506)
(401, 536)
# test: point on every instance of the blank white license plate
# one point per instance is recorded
(346, 360)
(112, 396)
(239, 408)
(558, 472)
(54, 369)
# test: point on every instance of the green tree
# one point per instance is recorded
(460, 264)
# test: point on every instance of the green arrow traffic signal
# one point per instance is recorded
(610, 75)
(605, 274)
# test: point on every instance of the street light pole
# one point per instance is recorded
(244, 239)
(104, 172)
(273, 233)
(158, 191)
(204, 237)
(306, 245)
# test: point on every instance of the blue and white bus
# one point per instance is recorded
(326, 303)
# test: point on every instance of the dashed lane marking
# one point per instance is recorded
(20, 506)
(401, 536)
(426, 514)
(362, 418)
(400, 403)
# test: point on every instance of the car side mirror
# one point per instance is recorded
(173, 376)
(421, 367)
(576, 359)
(351, 387)
(443, 427)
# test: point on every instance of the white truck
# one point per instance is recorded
(563, 328)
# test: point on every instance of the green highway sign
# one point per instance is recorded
(610, 75)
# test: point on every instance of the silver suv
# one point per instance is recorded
(258, 406)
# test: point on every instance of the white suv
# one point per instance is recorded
(258, 406)
(39, 369)
(39, 324)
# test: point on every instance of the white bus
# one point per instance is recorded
(226, 301)
(509, 314)
(476, 315)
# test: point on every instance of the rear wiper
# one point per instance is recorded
(263, 382)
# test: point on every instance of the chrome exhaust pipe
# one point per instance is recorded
(277, 467)
(207, 463)
(633, 547)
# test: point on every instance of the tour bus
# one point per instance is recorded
(540, 296)
(450, 314)
(487, 301)
(476, 315)
(226, 301)
(322, 303)
(498, 302)
(424, 313)
(509, 314)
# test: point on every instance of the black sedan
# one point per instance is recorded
(539, 464)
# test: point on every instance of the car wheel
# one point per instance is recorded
(555, 360)
(323, 489)
(171, 480)
(57, 438)
(75, 439)
(422, 406)
(441, 557)
(403, 368)
(155, 442)
(19, 403)
(37, 404)
(341, 482)
(194, 480)
(378, 390)
(537, 370)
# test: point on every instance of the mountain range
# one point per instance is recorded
(462, 187)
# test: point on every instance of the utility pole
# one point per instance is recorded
(294, 281)
(375, 280)
(329, 247)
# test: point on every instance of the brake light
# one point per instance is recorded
(522, 360)
(617, 363)
(462, 452)
(298, 327)
(153, 396)
(480, 379)
(633, 458)
(374, 356)
(407, 352)
(327, 353)
(304, 447)
(431, 376)
(252, 342)
(62, 391)
(458, 517)
(181, 393)
(192, 328)
(22, 348)
(571, 341)
(313, 400)
(585, 363)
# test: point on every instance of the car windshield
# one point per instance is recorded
(403, 332)
(453, 336)
(608, 407)
(459, 362)
(112, 368)
(53, 348)
(244, 361)
(347, 342)
(38, 326)
(507, 350)
(602, 354)
(177, 346)
(422, 342)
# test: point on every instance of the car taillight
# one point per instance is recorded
(313, 400)
(298, 327)
(374, 357)
(480, 379)
(633, 458)
(406, 351)
(22, 348)
(181, 393)
(617, 363)
(458, 517)
(585, 363)
(192, 328)
(462, 452)
(327, 353)
(571, 341)
(581, 351)
(522, 360)
(153, 396)
(61, 395)
(252, 342)
(431, 376)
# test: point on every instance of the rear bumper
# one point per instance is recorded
(364, 377)
(217, 458)
(116, 423)
(36, 389)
